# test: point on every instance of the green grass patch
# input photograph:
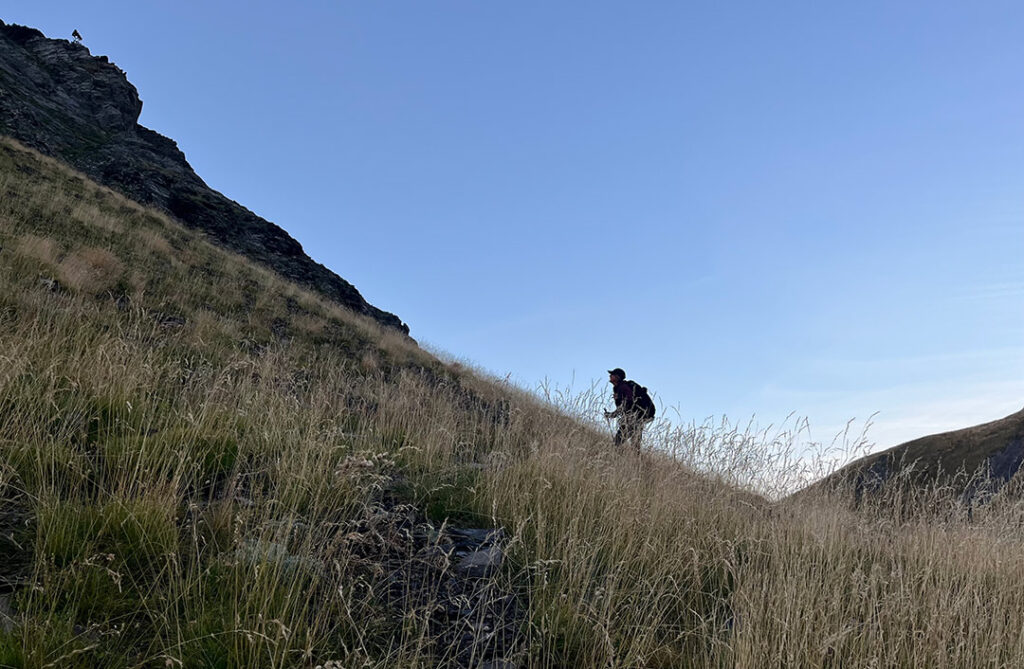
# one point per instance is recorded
(454, 496)
(139, 533)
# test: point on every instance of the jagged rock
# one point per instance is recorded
(481, 563)
(475, 536)
(58, 98)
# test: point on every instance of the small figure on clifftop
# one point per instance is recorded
(633, 407)
(77, 36)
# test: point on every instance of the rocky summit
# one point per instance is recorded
(58, 98)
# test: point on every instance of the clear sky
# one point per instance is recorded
(752, 207)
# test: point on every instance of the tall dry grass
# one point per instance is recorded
(200, 465)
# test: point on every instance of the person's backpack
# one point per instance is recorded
(642, 401)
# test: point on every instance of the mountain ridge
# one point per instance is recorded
(59, 99)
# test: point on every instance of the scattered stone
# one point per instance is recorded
(499, 664)
(440, 575)
(481, 563)
(269, 552)
(6, 614)
(476, 537)
(434, 556)
(169, 320)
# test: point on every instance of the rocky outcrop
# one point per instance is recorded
(447, 578)
(61, 100)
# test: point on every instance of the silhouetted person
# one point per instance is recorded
(77, 35)
(633, 408)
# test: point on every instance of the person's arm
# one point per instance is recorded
(621, 401)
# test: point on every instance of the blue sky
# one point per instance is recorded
(753, 208)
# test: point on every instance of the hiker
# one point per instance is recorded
(633, 407)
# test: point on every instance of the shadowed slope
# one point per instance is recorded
(972, 461)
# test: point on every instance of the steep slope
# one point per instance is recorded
(204, 465)
(195, 452)
(973, 461)
(59, 99)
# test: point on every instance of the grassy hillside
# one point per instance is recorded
(204, 466)
(975, 463)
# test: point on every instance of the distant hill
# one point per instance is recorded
(66, 103)
(991, 451)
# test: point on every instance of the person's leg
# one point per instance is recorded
(638, 436)
(627, 432)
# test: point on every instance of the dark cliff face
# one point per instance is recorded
(59, 99)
